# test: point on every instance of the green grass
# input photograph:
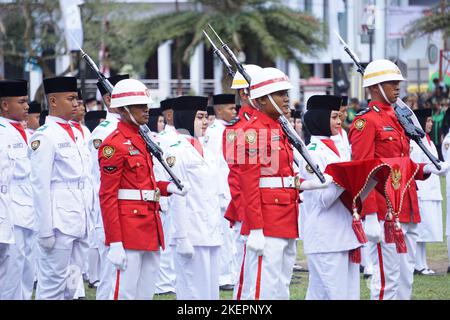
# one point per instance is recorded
(435, 287)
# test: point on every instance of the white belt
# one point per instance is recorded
(279, 182)
(68, 185)
(141, 195)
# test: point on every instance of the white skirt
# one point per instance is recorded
(430, 229)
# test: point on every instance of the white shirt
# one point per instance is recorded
(22, 212)
(6, 173)
(59, 171)
(196, 216)
(327, 222)
(213, 140)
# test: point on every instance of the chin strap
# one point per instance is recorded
(275, 105)
(247, 92)
(384, 94)
(131, 117)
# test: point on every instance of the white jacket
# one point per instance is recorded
(59, 172)
(327, 223)
(22, 211)
(6, 173)
(429, 189)
(196, 216)
(96, 138)
(213, 140)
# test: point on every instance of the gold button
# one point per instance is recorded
(134, 211)
(403, 154)
(138, 164)
(401, 138)
(390, 138)
(276, 200)
(279, 148)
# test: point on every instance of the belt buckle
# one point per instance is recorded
(157, 195)
(81, 185)
(145, 195)
(4, 189)
(297, 182)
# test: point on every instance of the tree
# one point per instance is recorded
(436, 19)
(264, 30)
(29, 32)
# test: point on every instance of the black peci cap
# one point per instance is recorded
(60, 84)
(13, 88)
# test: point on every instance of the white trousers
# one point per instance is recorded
(227, 262)
(166, 280)
(137, 282)
(107, 270)
(268, 277)
(4, 262)
(59, 269)
(421, 256)
(332, 276)
(393, 273)
(238, 259)
(22, 266)
(198, 277)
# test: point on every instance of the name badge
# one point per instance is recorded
(64, 145)
(134, 152)
(388, 129)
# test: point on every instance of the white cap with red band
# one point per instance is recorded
(130, 92)
(267, 81)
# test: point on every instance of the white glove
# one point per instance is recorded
(256, 241)
(172, 188)
(372, 228)
(117, 256)
(47, 242)
(185, 248)
(316, 184)
(430, 168)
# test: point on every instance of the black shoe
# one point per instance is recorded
(448, 270)
(92, 285)
(227, 287)
(165, 293)
(361, 269)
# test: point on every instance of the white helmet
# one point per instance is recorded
(239, 82)
(267, 81)
(129, 92)
(379, 71)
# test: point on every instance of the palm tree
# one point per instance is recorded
(264, 30)
(436, 19)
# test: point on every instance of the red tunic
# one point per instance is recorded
(377, 133)
(268, 154)
(125, 163)
(236, 206)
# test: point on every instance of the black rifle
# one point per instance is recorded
(144, 130)
(292, 136)
(402, 111)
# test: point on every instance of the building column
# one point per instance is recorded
(164, 70)
(218, 74)
(196, 70)
(62, 63)
(35, 80)
(294, 76)
(379, 46)
(318, 70)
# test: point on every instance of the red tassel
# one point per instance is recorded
(400, 243)
(355, 255)
(389, 231)
(359, 231)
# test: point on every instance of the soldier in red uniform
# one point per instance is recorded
(271, 193)
(376, 133)
(129, 196)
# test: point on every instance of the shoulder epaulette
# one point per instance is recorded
(364, 111)
(312, 146)
(2, 125)
(104, 123)
(42, 128)
(162, 133)
(176, 144)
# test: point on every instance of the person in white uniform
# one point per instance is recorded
(22, 263)
(328, 235)
(446, 155)
(33, 117)
(7, 166)
(196, 218)
(166, 282)
(225, 111)
(98, 135)
(59, 172)
(430, 228)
